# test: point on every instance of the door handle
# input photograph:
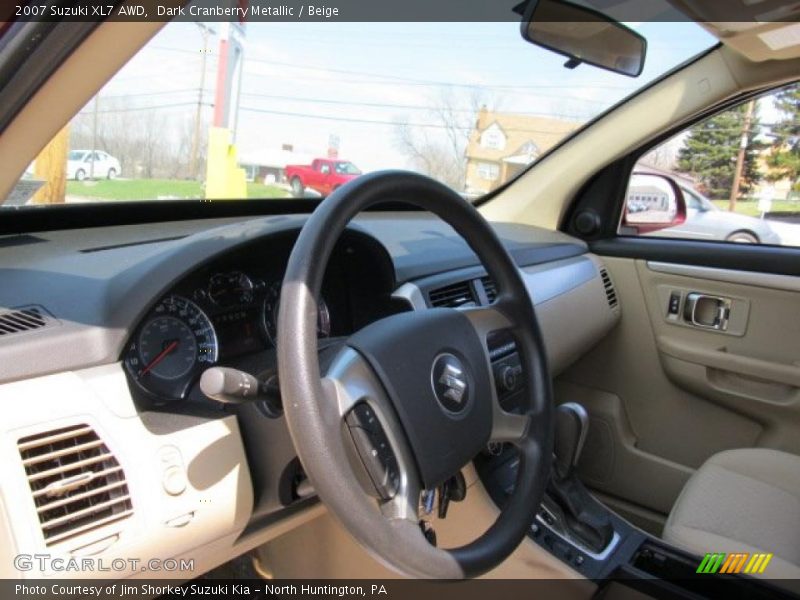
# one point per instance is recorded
(707, 311)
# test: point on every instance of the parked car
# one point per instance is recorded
(322, 175)
(79, 165)
(701, 219)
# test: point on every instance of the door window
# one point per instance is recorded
(734, 177)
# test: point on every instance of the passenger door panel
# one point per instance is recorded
(753, 371)
(664, 395)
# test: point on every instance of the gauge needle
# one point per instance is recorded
(159, 358)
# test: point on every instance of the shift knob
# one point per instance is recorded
(572, 425)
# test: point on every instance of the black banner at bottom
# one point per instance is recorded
(261, 589)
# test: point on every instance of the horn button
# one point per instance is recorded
(435, 371)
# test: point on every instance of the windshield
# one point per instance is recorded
(215, 110)
(347, 168)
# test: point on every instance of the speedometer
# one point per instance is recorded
(176, 339)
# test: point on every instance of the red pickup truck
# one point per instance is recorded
(323, 175)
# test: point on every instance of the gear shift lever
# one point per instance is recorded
(584, 517)
(572, 425)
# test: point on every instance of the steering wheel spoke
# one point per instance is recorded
(486, 319)
(506, 426)
(366, 411)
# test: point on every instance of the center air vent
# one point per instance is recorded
(611, 293)
(26, 318)
(453, 295)
(490, 288)
(77, 484)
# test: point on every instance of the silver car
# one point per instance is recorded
(704, 220)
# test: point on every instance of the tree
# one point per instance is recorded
(709, 153)
(784, 160)
(142, 140)
(439, 150)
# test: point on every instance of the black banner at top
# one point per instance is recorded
(254, 11)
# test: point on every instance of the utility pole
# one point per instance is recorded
(199, 113)
(737, 174)
(94, 136)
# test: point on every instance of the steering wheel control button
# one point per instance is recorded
(450, 382)
(374, 450)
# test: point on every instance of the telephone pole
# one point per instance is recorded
(199, 113)
(737, 174)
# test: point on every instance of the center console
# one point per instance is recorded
(580, 531)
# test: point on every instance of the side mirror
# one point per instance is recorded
(652, 202)
(584, 35)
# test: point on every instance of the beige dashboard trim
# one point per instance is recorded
(213, 503)
(572, 320)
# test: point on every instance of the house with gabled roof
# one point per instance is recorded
(503, 144)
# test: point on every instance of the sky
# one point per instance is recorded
(303, 82)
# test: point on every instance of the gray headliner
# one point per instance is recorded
(99, 296)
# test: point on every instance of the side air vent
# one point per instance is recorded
(453, 295)
(490, 288)
(611, 293)
(26, 318)
(77, 484)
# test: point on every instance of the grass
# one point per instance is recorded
(157, 189)
(750, 207)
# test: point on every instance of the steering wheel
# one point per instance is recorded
(409, 399)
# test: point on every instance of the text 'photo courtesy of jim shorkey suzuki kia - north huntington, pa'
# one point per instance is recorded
(379, 299)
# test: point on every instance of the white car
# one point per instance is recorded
(79, 165)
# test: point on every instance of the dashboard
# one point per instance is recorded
(122, 322)
(225, 313)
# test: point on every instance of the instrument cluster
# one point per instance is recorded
(210, 319)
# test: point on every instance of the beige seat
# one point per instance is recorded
(742, 501)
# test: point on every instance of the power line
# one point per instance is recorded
(410, 80)
(138, 108)
(427, 81)
(382, 122)
(384, 105)
(357, 119)
(140, 94)
(522, 91)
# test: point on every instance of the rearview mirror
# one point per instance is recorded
(584, 35)
(652, 202)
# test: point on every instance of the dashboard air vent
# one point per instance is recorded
(611, 293)
(76, 482)
(453, 295)
(25, 318)
(490, 288)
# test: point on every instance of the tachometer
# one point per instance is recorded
(174, 342)
(270, 314)
(229, 289)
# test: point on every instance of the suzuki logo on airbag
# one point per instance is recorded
(450, 382)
